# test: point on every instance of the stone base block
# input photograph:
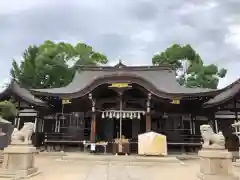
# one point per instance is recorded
(237, 163)
(20, 148)
(5, 173)
(215, 154)
(28, 173)
(216, 162)
(19, 161)
(216, 177)
(19, 157)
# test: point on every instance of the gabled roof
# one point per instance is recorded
(24, 94)
(159, 80)
(227, 94)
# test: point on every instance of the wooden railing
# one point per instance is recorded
(64, 139)
(182, 137)
(61, 138)
(187, 140)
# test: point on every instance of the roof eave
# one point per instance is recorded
(12, 89)
(235, 87)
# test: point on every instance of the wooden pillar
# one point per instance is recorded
(216, 126)
(236, 113)
(148, 122)
(18, 123)
(194, 125)
(211, 120)
(93, 121)
(42, 126)
(191, 124)
(235, 110)
(93, 128)
(15, 121)
(148, 115)
(215, 123)
(35, 125)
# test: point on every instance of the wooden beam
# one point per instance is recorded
(116, 99)
(229, 109)
(102, 101)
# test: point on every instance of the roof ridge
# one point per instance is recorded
(125, 68)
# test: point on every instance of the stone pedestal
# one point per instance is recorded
(19, 161)
(237, 163)
(216, 164)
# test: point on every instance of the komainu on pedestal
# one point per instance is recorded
(216, 162)
(19, 156)
(24, 135)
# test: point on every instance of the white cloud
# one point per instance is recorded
(144, 36)
(4, 84)
(15, 6)
(189, 8)
(133, 30)
(234, 35)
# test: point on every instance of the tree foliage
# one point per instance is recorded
(7, 109)
(190, 68)
(51, 65)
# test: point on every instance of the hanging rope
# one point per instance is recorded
(124, 114)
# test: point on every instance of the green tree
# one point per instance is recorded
(7, 109)
(52, 65)
(190, 68)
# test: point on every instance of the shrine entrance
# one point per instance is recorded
(109, 126)
(126, 129)
(121, 111)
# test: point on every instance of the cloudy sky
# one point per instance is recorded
(132, 30)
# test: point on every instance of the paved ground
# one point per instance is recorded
(54, 169)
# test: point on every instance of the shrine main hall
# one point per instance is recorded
(104, 103)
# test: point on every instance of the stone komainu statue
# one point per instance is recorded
(23, 136)
(211, 139)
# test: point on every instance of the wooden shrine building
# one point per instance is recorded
(104, 103)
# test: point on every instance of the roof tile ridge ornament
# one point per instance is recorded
(120, 64)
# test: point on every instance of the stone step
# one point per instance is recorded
(1, 157)
(112, 158)
(45, 153)
(7, 174)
